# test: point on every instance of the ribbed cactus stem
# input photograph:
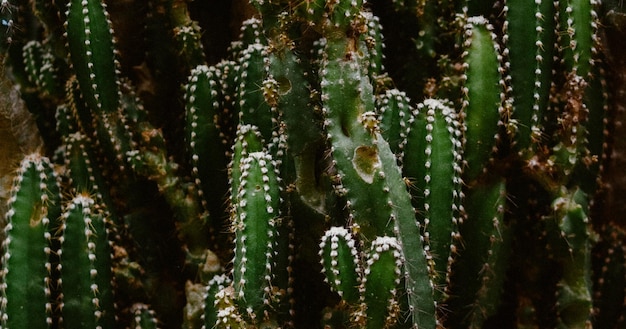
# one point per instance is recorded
(40, 68)
(341, 263)
(258, 202)
(483, 91)
(90, 41)
(253, 109)
(34, 208)
(205, 136)
(578, 22)
(353, 131)
(86, 274)
(527, 46)
(432, 162)
(381, 280)
(395, 111)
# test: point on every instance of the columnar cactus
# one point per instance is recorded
(310, 172)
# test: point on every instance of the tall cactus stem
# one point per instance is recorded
(86, 274)
(34, 208)
(258, 200)
(433, 163)
(483, 91)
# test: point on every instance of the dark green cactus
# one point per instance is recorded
(310, 172)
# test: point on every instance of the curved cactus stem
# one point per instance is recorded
(355, 141)
(86, 274)
(301, 125)
(152, 162)
(432, 162)
(34, 208)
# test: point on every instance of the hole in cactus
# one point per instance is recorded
(284, 85)
(37, 214)
(366, 162)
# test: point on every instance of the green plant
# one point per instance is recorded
(288, 182)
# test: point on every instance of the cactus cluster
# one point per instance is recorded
(314, 173)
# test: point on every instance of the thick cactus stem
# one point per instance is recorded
(90, 42)
(483, 91)
(255, 234)
(34, 208)
(86, 274)
(432, 162)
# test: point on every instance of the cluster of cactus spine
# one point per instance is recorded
(311, 192)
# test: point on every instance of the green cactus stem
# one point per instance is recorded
(395, 111)
(341, 263)
(86, 274)
(483, 92)
(258, 202)
(252, 107)
(34, 208)
(529, 45)
(432, 162)
(574, 304)
(578, 22)
(217, 284)
(478, 273)
(383, 271)
(206, 138)
(90, 42)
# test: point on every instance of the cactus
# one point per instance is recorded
(311, 172)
